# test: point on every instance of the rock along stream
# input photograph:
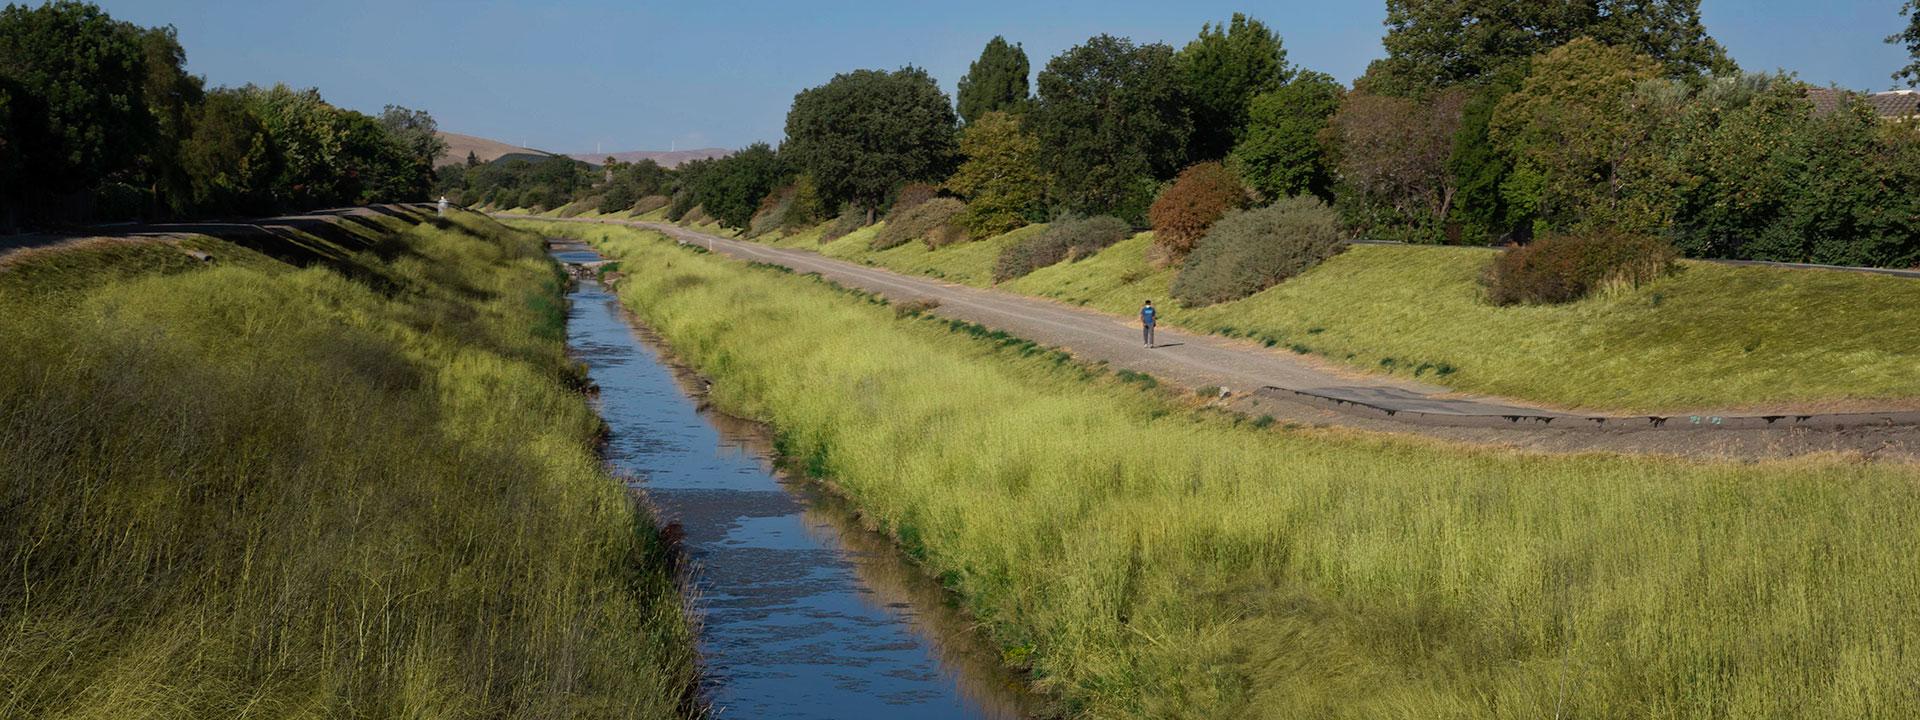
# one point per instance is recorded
(806, 614)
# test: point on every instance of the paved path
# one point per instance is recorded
(1288, 382)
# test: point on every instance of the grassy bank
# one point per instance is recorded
(337, 475)
(1710, 337)
(1148, 559)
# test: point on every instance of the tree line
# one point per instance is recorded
(100, 121)
(1488, 121)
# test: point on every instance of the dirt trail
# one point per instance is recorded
(1269, 382)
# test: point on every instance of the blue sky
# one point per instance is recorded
(573, 76)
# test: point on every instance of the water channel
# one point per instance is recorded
(806, 614)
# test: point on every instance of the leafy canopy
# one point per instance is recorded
(1910, 37)
(1570, 125)
(995, 82)
(1222, 70)
(1111, 120)
(868, 131)
(80, 104)
(1001, 176)
(1281, 153)
(1434, 44)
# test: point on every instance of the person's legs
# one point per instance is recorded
(1146, 333)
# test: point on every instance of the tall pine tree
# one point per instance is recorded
(997, 81)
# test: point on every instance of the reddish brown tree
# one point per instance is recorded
(1196, 199)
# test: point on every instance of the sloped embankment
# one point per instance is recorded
(334, 471)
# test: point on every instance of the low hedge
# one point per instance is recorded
(922, 221)
(1248, 251)
(1564, 268)
(1069, 239)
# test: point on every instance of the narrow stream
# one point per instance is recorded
(806, 613)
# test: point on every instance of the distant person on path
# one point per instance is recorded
(443, 204)
(1147, 314)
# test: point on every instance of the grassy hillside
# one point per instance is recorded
(338, 475)
(1148, 559)
(1710, 337)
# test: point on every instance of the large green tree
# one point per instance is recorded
(1112, 120)
(1433, 44)
(1570, 131)
(229, 157)
(1391, 164)
(1480, 168)
(1000, 178)
(173, 98)
(1910, 37)
(414, 130)
(80, 104)
(866, 132)
(731, 190)
(996, 81)
(1282, 152)
(1222, 71)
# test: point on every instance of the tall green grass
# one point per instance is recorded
(1710, 337)
(260, 490)
(1146, 558)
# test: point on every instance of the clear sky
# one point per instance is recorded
(574, 76)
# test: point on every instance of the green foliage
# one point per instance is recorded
(997, 82)
(1910, 37)
(1191, 204)
(928, 221)
(1221, 72)
(910, 195)
(1282, 152)
(1066, 239)
(619, 197)
(731, 189)
(1570, 124)
(230, 157)
(1436, 44)
(1391, 164)
(1251, 250)
(1480, 169)
(1564, 268)
(1111, 120)
(79, 100)
(173, 97)
(1745, 168)
(253, 488)
(1000, 177)
(866, 132)
(1147, 561)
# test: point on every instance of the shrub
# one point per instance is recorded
(651, 203)
(1191, 204)
(1252, 250)
(1565, 268)
(683, 202)
(696, 216)
(1066, 239)
(578, 207)
(910, 196)
(917, 222)
(772, 214)
(619, 197)
(849, 220)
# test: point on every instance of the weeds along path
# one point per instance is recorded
(1289, 388)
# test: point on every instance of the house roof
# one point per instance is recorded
(1894, 104)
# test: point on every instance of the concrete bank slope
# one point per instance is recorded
(1291, 388)
(377, 218)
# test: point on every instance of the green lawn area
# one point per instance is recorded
(1145, 557)
(1709, 337)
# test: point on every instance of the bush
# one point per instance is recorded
(651, 203)
(851, 219)
(1252, 250)
(918, 222)
(790, 207)
(1565, 268)
(579, 207)
(619, 197)
(696, 216)
(1192, 203)
(910, 196)
(683, 202)
(1066, 239)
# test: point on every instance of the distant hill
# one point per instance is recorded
(666, 158)
(486, 150)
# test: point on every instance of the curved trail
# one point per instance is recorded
(1290, 388)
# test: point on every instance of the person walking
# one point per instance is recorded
(1147, 314)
